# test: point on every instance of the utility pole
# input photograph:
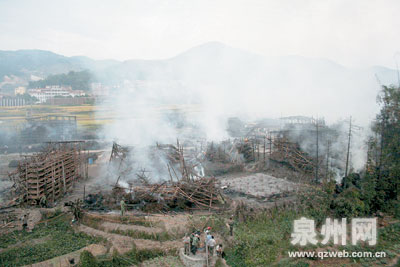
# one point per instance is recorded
(264, 146)
(351, 127)
(270, 146)
(317, 148)
(327, 158)
(348, 150)
(397, 68)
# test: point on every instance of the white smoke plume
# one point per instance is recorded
(208, 84)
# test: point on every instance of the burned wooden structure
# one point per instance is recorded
(50, 173)
(183, 195)
(183, 189)
(290, 153)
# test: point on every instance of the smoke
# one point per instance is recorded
(192, 95)
(333, 144)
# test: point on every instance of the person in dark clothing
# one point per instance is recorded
(195, 244)
(24, 220)
(230, 225)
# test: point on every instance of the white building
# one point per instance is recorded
(20, 90)
(42, 94)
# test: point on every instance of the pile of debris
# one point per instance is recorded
(291, 154)
(184, 195)
(186, 187)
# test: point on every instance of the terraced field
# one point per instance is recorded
(90, 116)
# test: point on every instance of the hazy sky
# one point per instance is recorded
(350, 32)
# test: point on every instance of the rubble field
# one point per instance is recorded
(258, 185)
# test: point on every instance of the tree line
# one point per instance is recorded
(78, 80)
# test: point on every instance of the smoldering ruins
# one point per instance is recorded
(192, 173)
(161, 164)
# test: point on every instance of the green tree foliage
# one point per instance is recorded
(260, 240)
(28, 98)
(79, 80)
(378, 188)
(87, 260)
(386, 164)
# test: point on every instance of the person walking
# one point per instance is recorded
(211, 245)
(186, 243)
(195, 243)
(230, 225)
(24, 220)
(208, 237)
(123, 207)
(43, 201)
(219, 250)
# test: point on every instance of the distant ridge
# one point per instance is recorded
(214, 60)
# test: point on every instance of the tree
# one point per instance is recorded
(387, 149)
(78, 80)
(87, 260)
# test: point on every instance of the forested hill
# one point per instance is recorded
(79, 80)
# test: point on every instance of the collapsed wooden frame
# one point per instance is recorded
(50, 173)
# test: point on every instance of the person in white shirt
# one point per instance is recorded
(211, 245)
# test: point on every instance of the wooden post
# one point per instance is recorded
(254, 152)
(270, 145)
(63, 176)
(52, 180)
(26, 177)
(211, 197)
(264, 147)
(37, 178)
(169, 171)
(207, 254)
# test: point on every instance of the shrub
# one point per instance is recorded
(87, 259)
(349, 204)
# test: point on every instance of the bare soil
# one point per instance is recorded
(258, 184)
(111, 226)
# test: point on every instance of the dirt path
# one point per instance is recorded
(123, 244)
(34, 217)
(172, 223)
(111, 226)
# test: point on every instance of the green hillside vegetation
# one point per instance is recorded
(78, 80)
(264, 239)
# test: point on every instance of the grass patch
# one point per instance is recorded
(60, 239)
(133, 257)
(261, 240)
(95, 221)
(136, 221)
(388, 241)
(162, 236)
(264, 240)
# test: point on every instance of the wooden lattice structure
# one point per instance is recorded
(290, 152)
(195, 194)
(50, 173)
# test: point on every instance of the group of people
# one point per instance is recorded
(193, 242)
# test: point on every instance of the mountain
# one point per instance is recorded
(37, 62)
(209, 62)
(215, 73)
